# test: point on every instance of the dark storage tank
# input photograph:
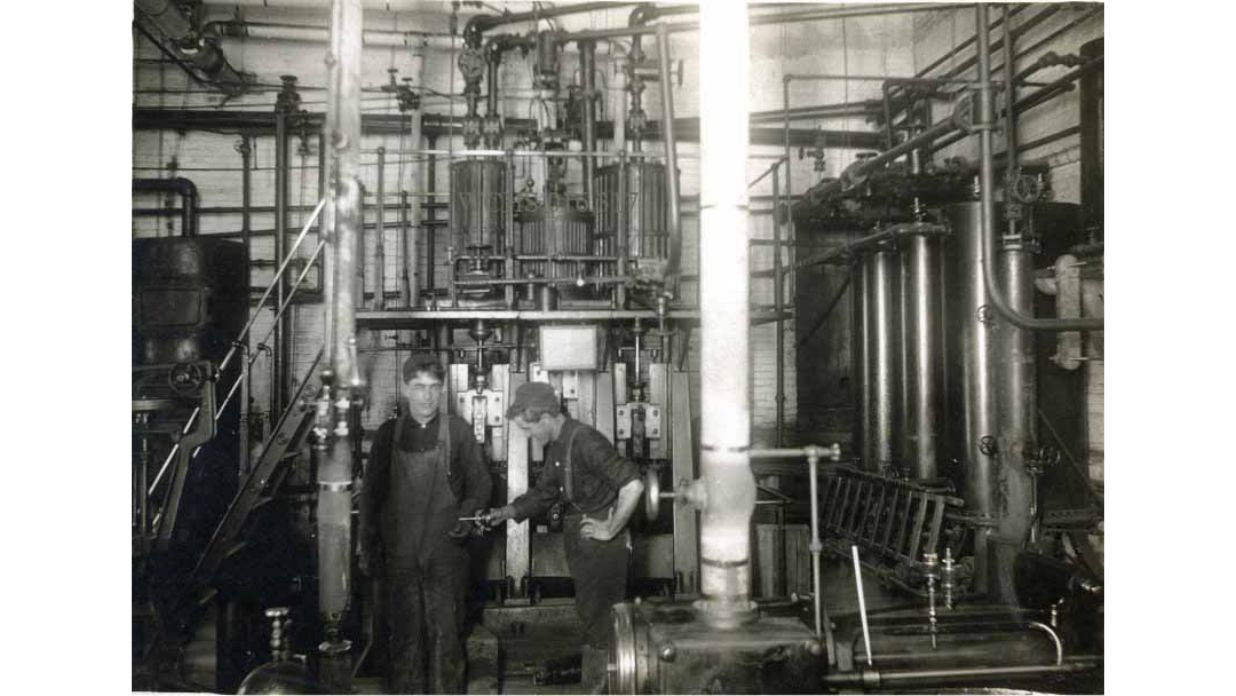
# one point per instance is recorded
(190, 298)
(190, 302)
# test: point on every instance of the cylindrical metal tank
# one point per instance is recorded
(555, 230)
(881, 370)
(921, 305)
(663, 648)
(972, 437)
(647, 211)
(190, 298)
(478, 197)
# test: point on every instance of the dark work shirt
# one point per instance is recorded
(598, 473)
(471, 482)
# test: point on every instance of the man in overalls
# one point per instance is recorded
(601, 489)
(425, 472)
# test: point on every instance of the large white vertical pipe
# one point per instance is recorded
(727, 483)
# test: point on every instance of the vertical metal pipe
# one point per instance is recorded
(778, 301)
(671, 148)
(882, 369)
(984, 428)
(903, 449)
(431, 229)
(281, 356)
(923, 338)
(728, 486)
(1090, 97)
(861, 346)
(622, 234)
(379, 244)
(1016, 391)
(342, 232)
(246, 203)
(587, 69)
(412, 260)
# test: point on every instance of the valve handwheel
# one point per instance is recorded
(186, 378)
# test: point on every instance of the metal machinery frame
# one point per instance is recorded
(577, 286)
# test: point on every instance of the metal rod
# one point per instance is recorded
(873, 679)
(587, 69)
(671, 151)
(778, 300)
(862, 602)
(278, 274)
(379, 243)
(281, 355)
(431, 183)
(890, 79)
(622, 233)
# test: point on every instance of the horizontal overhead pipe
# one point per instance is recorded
(186, 189)
(438, 125)
(479, 24)
(762, 19)
(853, 174)
(202, 53)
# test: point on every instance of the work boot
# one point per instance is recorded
(594, 670)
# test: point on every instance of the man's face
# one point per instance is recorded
(423, 393)
(540, 430)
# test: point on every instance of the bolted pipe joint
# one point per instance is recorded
(725, 539)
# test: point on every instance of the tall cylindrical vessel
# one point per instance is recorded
(647, 233)
(922, 349)
(478, 195)
(973, 436)
(861, 299)
(882, 337)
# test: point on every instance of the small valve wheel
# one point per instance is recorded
(186, 378)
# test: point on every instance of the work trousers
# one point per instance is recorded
(599, 569)
(426, 622)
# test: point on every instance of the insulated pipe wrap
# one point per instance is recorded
(728, 486)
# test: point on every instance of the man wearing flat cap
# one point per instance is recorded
(425, 471)
(601, 489)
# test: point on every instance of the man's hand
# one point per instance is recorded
(601, 530)
(496, 516)
(461, 530)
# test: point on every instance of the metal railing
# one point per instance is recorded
(240, 338)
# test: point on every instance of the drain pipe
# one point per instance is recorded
(187, 191)
(725, 491)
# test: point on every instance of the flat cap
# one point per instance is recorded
(537, 395)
